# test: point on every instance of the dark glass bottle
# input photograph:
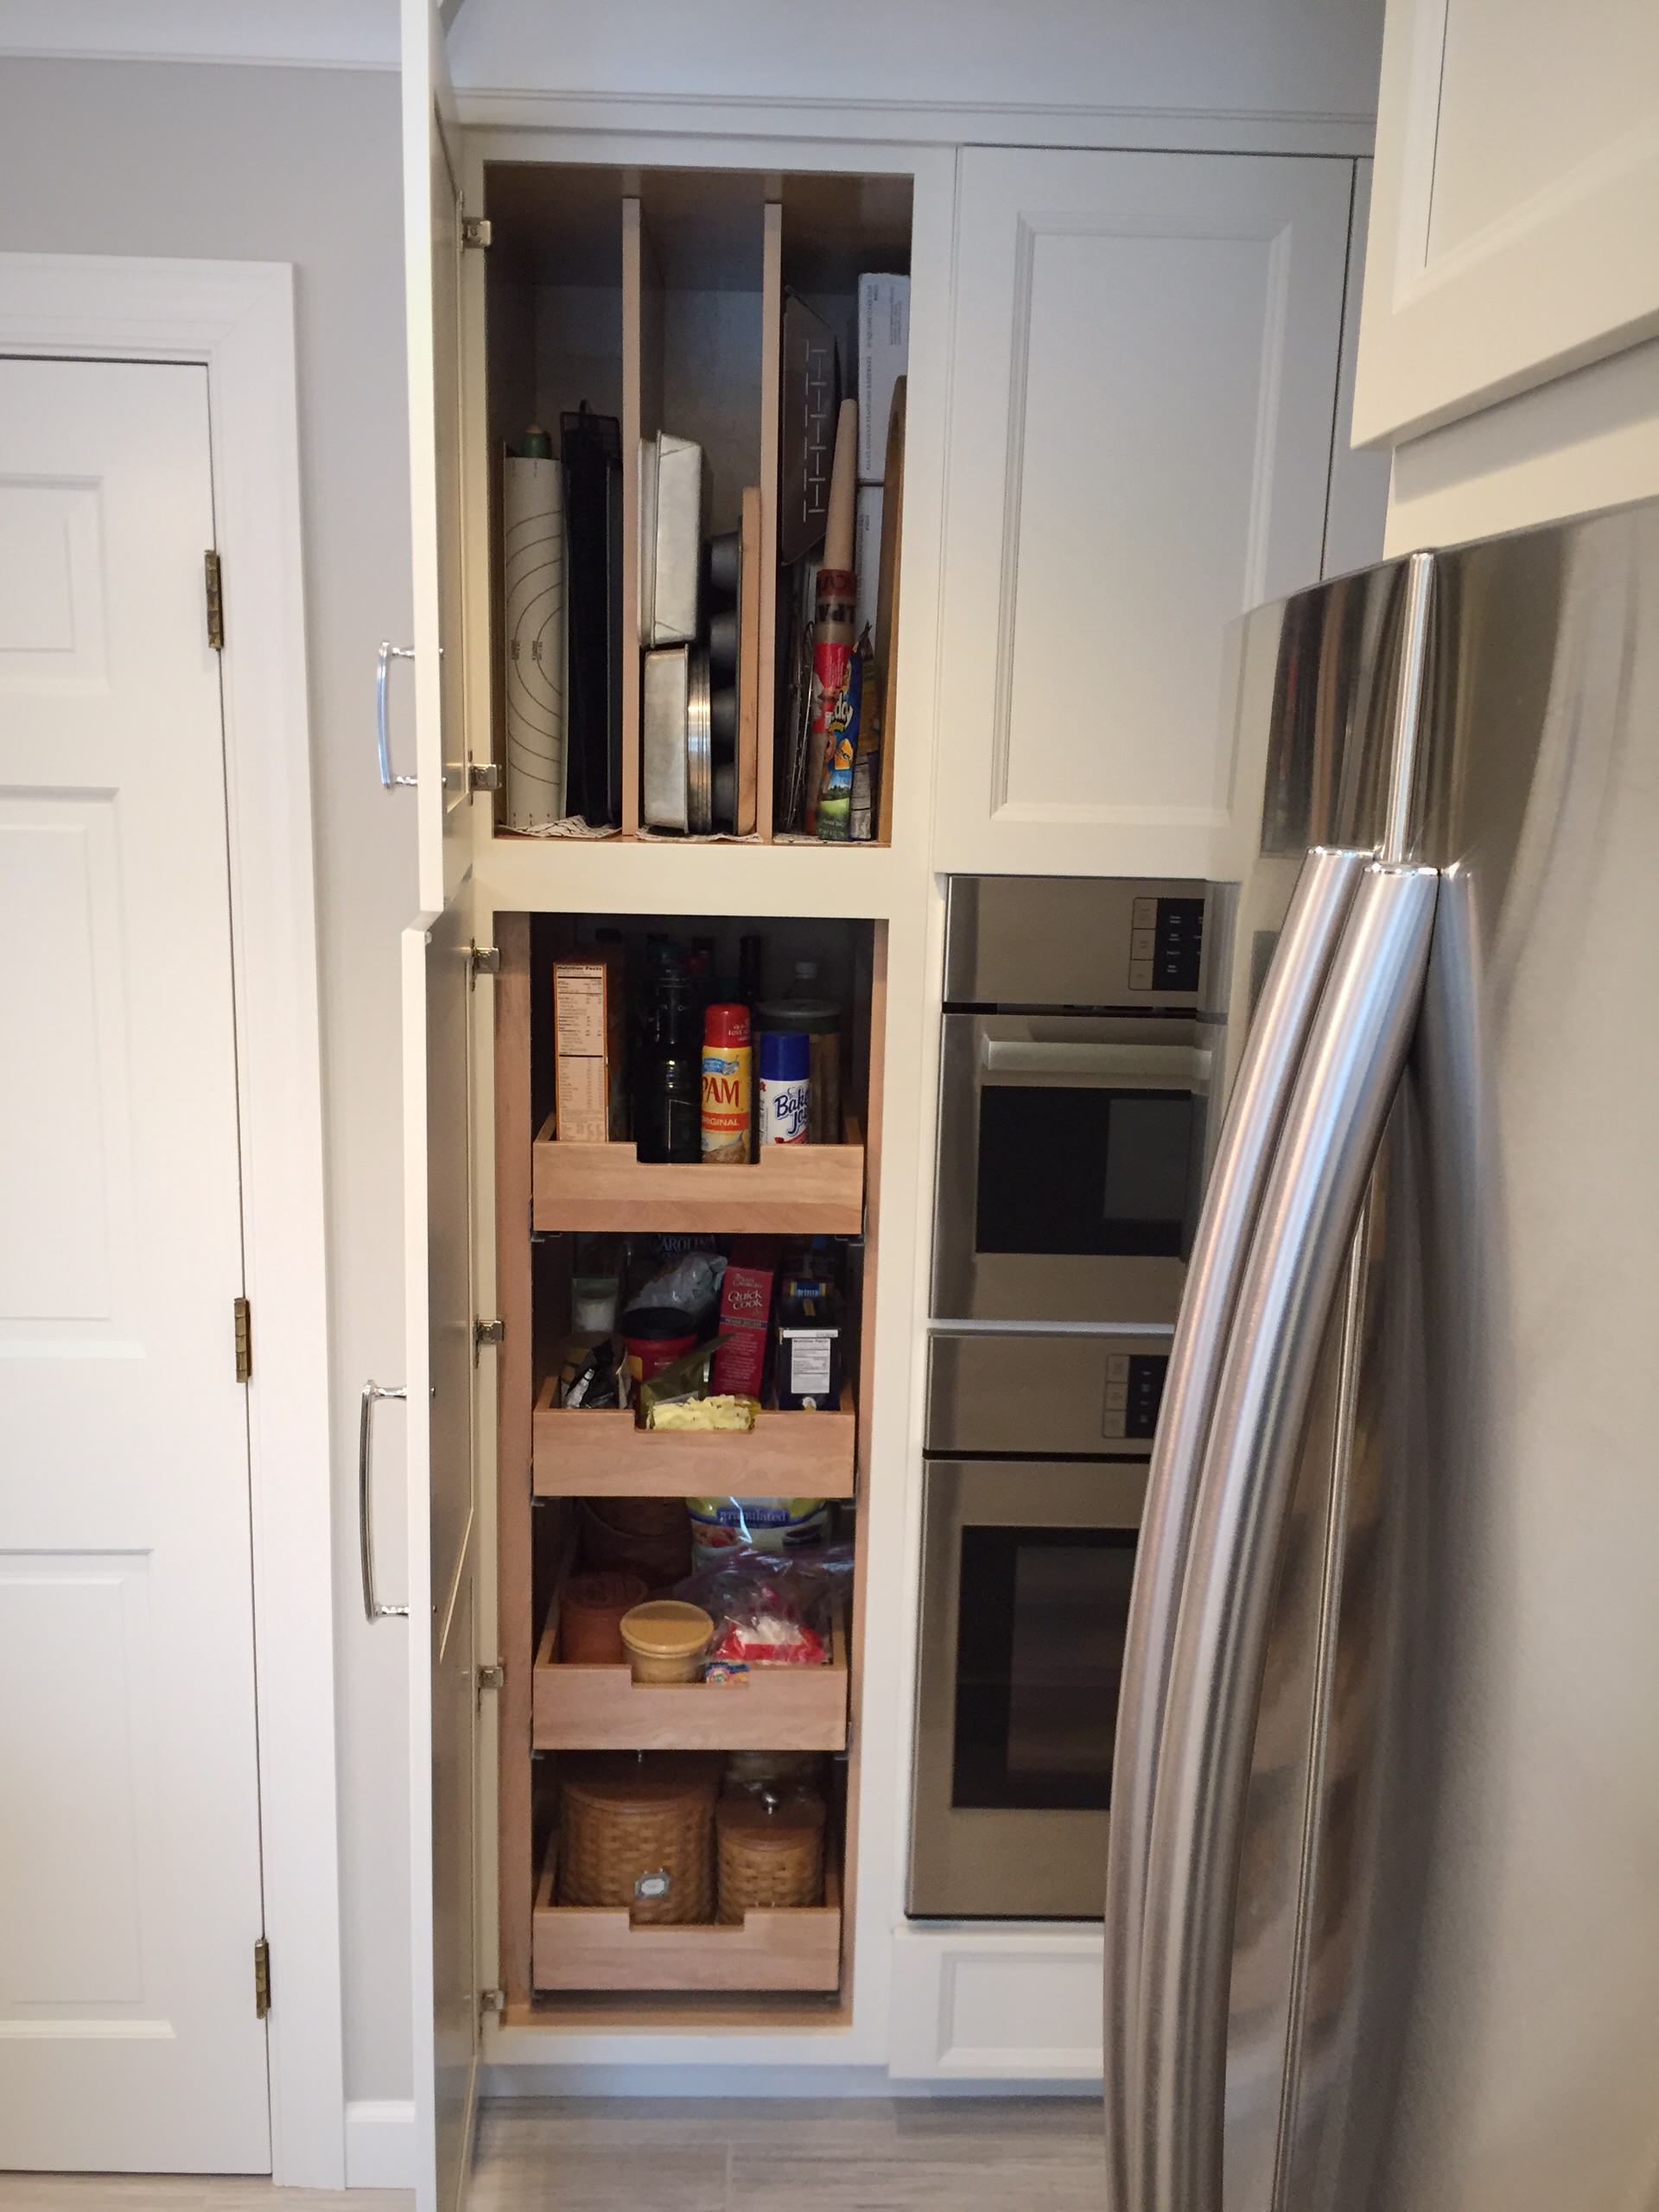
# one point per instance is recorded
(668, 1096)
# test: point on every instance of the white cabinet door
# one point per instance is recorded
(1515, 232)
(442, 1548)
(1143, 378)
(432, 251)
(437, 1168)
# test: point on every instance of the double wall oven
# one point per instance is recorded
(1074, 1126)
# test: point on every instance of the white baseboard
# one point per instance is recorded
(380, 2143)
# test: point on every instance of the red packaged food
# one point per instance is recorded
(745, 1315)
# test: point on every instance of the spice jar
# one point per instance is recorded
(666, 1640)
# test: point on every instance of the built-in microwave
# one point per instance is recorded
(1035, 1478)
(1074, 1105)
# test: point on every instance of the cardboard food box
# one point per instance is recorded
(883, 356)
(588, 1046)
(867, 557)
(745, 1316)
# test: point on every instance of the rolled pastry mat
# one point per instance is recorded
(532, 521)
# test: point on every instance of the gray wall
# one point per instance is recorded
(301, 166)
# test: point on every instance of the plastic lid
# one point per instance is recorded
(651, 1324)
(812, 1016)
(667, 1629)
(539, 446)
(726, 1024)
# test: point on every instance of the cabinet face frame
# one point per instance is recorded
(1567, 274)
(893, 885)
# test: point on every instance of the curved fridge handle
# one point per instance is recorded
(1349, 1079)
(1290, 998)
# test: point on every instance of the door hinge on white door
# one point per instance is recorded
(483, 776)
(490, 2000)
(261, 1979)
(488, 1332)
(485, 959)
(243, 1313)
(215, 581)
(490, 1678)
(475, 230)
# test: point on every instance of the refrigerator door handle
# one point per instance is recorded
(1349, 1077)
(1290, 998)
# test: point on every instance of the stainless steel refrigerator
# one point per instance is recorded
(1383, 1916)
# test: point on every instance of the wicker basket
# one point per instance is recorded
(771, 1852)
(637, 1832)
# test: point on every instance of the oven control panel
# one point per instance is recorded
(1166, 943)
(1134, 1390)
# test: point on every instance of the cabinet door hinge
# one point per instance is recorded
(483, 776)
(485, 960)
(215, 583)
(490, 1678)
(475, 230)
(489, 1333)
(261, 1979)
(491, 2000)
(244, 1313)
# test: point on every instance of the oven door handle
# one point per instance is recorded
(1136, 1067)
(1350, 1076)
(1307, 944)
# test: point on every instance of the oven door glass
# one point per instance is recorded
(1095, 1172)
(1041, 1620)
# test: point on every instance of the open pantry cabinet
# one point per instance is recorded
(665, 353)
(575, 1486)
(647, 278)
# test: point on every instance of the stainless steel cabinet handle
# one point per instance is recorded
(1312, 930)
(1349, 1073)
(1137, 1066)
(382, 659)
(372, 1609)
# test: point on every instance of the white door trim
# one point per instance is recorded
(236, 318)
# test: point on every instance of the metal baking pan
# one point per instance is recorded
(672, 493)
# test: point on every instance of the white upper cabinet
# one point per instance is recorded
(1143, 384)
(432, 251)
(1356, 505)
(1515, 230)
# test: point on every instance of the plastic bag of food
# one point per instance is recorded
(761, 1524)
(772, 1609)
(691, 1283)
(683, 1378)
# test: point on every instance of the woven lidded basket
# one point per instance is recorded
(637, 1832)
(771, 1851)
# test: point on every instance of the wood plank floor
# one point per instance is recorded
(675, 2154)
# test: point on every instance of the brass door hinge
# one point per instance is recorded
(244, 1313)
(475, 230)
(215, 582)
(261, 1979)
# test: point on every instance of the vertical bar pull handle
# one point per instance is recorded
(1350, 1074)
(383, 661)
(1318, 909)
(372, 1608)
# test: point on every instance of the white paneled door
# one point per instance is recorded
(129, 1882)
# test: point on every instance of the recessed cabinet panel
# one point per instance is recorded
(1144, 375)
